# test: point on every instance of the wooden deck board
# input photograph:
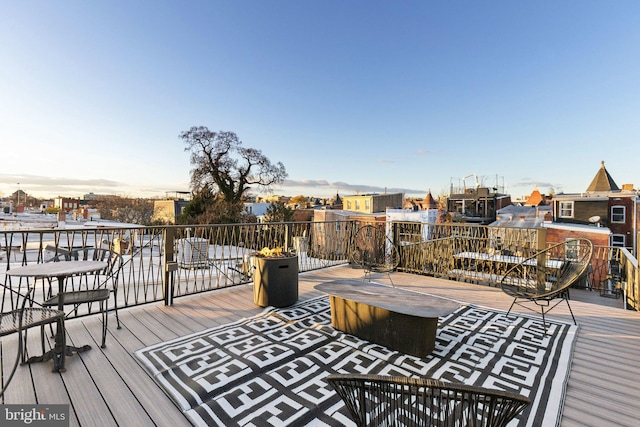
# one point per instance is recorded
(86, 397)
(176, 325)
(152, 400)
(109, 387)
(21, 386)
(583, 411)
(112, 377)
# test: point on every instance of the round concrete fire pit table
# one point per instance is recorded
(275, 281)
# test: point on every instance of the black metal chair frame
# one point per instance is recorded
(374, 252)
(93, 287)
(532, 280)
(376, 400)
(24, 314)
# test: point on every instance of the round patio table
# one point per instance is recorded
(60, 271)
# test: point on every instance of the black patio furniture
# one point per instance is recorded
(533, 280)
(377, 400)
(93, 287)
(374, 252)
(21, 314)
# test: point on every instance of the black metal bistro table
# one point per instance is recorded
(60, 271)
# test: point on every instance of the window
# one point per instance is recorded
(617, 240)
(571, 250)
(565, 210)
(367, 205)
(480, 208)
(357, 205)
(348, 204)
(618, 214)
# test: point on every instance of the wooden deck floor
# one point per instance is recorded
(107, 387)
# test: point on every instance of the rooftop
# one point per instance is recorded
(109, 387)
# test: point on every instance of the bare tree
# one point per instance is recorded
(129, 210)
(222, 166)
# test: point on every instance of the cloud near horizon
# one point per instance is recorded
(528, 183)
(47, 186)
(38, 180)
(338, 186)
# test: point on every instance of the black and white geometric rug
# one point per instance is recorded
(269, 369)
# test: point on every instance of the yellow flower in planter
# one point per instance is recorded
(275, 252)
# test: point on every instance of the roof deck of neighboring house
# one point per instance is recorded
(476, 205)
(108, 387)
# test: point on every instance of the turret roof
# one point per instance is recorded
(429, 202)
(535, 199)
(602, 181)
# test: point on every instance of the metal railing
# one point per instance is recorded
(191, 259)
(469, 253)
(164, 262)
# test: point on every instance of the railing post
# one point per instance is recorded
(541, 260)
(395, 240)
(541, 239)
(287, 230)
(170, 265)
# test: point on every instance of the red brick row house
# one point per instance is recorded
(603, 204)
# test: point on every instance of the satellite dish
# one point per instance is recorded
(594, 219)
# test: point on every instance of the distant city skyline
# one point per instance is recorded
(351, 97)
(323, 189)
(47, 187)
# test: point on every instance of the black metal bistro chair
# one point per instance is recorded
(19, 313)
(90, 289)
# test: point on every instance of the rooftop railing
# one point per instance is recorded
(166, 262)
(482, 254)
(162, 263)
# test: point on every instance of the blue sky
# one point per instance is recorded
(351, 96)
